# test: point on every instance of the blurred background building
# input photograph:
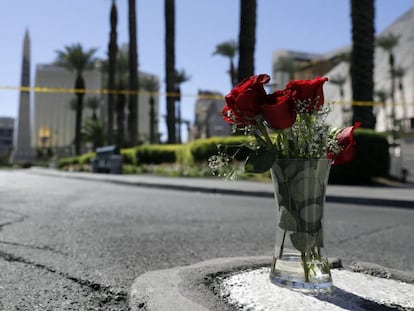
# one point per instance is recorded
(6, 137)
(54, 111)
(208, 119)
(335, 65)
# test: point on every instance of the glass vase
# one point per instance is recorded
(299, 260)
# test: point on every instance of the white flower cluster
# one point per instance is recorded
(220, 166)
(334, 147)
(310, 134)
(303, 106)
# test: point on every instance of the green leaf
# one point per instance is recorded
(306, 189)
(302, 241)
(319, 238)
(310, 227)
(290, 171)
(287, 221)
(260, 161)
(311, 213)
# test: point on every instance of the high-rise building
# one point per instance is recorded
(22, 149)
(54, 112)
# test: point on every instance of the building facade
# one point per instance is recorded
(208, 120)
(336, 68)
(54, 112)
(6, 136)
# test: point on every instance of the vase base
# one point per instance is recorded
(325, 286)
(288, 272)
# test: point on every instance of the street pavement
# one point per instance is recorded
(387, 193)
(185, 288)
(168, 236)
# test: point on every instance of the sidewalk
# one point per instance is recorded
(396, 195)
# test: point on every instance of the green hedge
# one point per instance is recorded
(157, 154)
(64, 162)
(202, 149)
(372, 159)
(129, 156)
(86, 158)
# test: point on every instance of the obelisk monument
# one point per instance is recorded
(23, 151)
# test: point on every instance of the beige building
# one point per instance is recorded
(330, 65)
(54, 118)
(208, 120)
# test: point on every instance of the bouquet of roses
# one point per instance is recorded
(296, 114)
(293, 141)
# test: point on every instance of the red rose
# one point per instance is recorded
(279, 110)
(307, 94)
(346, 143)
(245, 99)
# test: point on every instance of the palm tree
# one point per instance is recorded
(112, 51)
(93, 104)
(247, 38)
(133, 75)
(362, 60)
(180, 77)
(340, 81)
(76, 59)
(93, 129)
(228, 49)
(388, 43)
(169, 7)
(122, 70)
(151, 85)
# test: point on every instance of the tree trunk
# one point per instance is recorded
(170, 67)
(247, 39)
(362, 60)
(113, 49)
(80, 85)
(232, 73)
(120, 117)
(133, 76)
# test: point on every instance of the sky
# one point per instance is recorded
(316, 26)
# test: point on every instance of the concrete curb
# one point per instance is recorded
(125, 180)
(192, 287)
(383, 272)
(188, 287)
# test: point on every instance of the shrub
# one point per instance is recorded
(129, 156)
(86, 158)
(372, 159)
(157, 154)
(67, 161)
(202, 149)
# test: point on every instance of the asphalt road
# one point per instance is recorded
(68, 244)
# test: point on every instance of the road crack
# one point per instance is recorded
(42, 248)
(368, 233)
(108, 299)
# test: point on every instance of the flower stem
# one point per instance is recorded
(263, 131)
(282, 245)
(305, 267)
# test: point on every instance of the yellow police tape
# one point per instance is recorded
(38, 89)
